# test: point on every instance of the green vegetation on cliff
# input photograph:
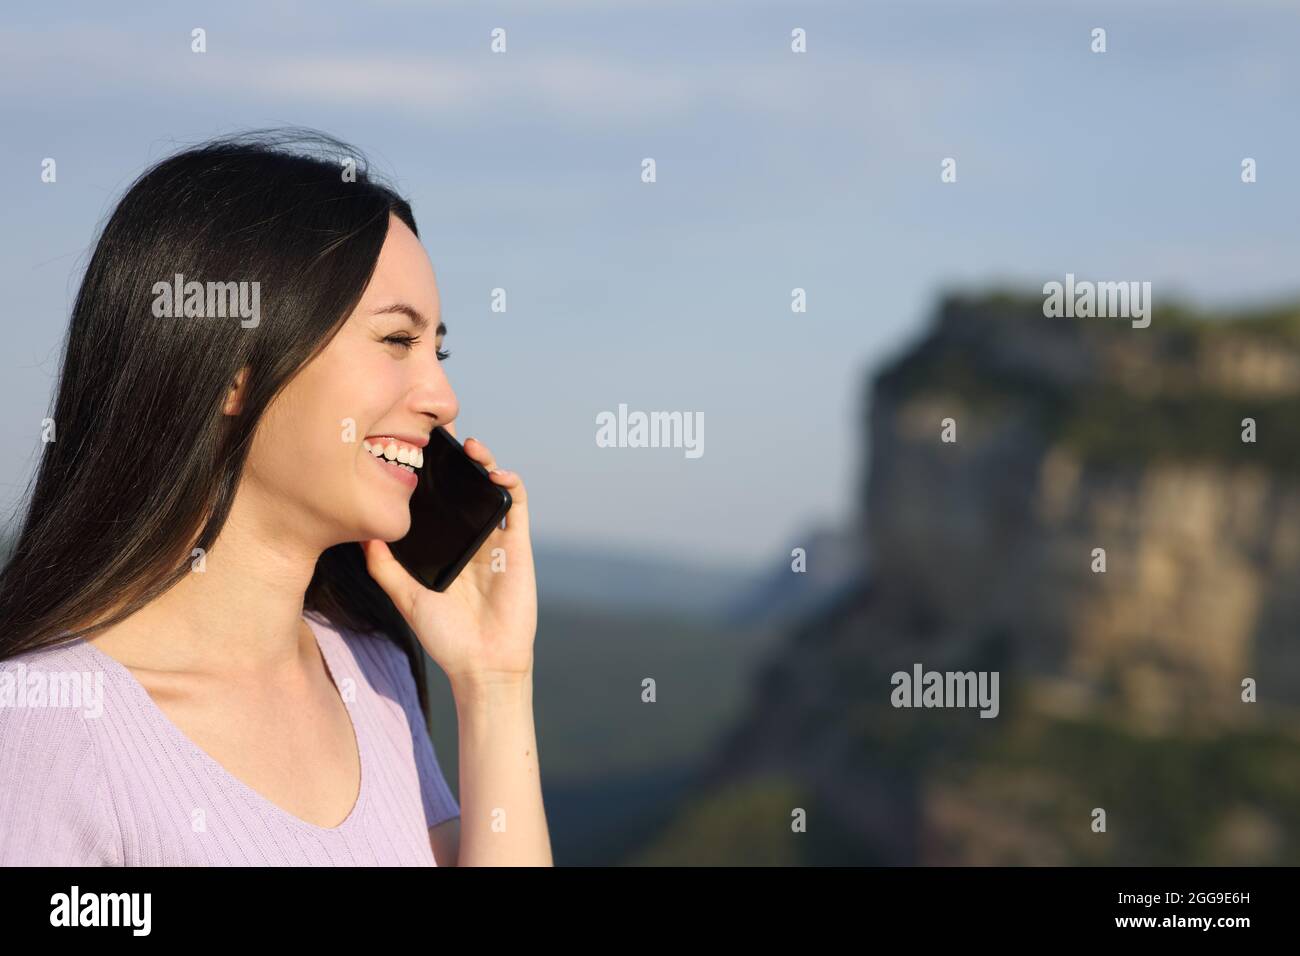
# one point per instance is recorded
(1103, 419)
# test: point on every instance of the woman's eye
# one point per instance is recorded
(407, 342)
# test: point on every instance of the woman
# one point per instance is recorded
(203, 556)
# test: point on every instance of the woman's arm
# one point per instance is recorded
(444, 841)
(503, 822)
(481, 631)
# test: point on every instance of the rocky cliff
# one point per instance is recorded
(1073, 435)
(1068, 502)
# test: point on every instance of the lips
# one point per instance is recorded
(414, 439)
(402, 473)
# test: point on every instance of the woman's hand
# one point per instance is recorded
(480, 630)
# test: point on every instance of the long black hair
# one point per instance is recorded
(112, 524)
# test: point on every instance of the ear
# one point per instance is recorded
(235, 395)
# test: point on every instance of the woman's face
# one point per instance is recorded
(309, 472)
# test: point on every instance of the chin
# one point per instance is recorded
(389, 527)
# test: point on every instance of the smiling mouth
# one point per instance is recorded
(393, 453)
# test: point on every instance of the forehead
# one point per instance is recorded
(403, 274)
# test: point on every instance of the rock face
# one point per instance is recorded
(1084, 439)
(1080, 445)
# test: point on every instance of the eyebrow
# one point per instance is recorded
(416, 317)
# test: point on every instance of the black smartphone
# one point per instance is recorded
(453, 510)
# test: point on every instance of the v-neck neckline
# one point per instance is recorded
(225, 777)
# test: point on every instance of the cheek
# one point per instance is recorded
(317, 428)
(336, 407)
(357, 386)
(304, 438)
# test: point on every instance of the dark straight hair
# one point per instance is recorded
(111, 523)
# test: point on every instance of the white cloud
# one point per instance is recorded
(569, 88)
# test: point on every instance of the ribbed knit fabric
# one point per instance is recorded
(104, 778)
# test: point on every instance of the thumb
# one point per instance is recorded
(390, 575)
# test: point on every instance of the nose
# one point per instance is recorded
(437, 403)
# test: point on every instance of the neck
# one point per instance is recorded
(239, 616)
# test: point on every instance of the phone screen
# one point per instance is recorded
(454, 508)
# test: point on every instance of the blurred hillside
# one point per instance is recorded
(1120, 690)
(613, 767)
(574, 574)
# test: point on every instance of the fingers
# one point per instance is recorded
(501, 476)
(480, 453)
(390, 575)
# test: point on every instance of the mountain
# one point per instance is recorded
(834, 563)
(1068, 504)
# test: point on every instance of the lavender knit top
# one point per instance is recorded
(93, 773)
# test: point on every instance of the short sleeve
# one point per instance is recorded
(54, 807)
(439, 804)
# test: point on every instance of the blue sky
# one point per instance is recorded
(775, 171)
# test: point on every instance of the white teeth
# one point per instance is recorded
(400, 455)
